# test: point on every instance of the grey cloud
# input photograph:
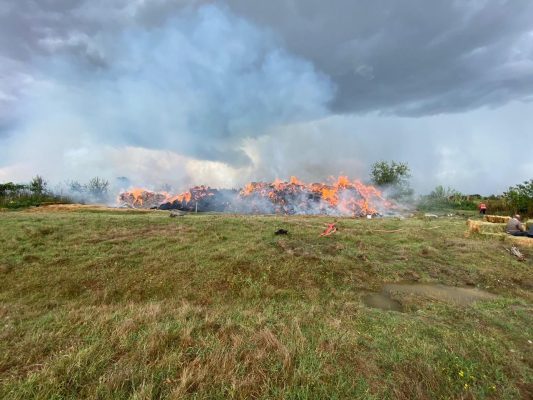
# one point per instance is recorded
(197, 84)
(426, 56)
(412, 57)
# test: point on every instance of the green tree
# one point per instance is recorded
(35, 193)
(10, 188)
(520, 197)
(446, 197)
(393, 175)
(38, 185)
(97, 188)
(76, 187)
(442, 193)
(384, 173)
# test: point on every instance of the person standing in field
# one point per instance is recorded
(517, 228)
(483, 208)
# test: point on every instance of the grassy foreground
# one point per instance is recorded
(114, 305)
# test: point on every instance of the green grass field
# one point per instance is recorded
(119, 305)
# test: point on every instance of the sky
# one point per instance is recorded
(185, 92)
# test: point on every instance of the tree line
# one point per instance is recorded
(37, 192)
(394, 176)
(391, 176)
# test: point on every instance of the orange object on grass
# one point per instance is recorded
(329, 230)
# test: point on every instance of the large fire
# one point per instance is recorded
(341, 197)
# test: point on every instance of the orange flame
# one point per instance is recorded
(342, 197)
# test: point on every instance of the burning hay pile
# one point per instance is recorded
(200, 198)
(140, 198)
(343, 198)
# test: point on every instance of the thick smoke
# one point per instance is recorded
(184, 93)
(414, 57)
(190, 89)
(477, 152)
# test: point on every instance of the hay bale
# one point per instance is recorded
(485, 227)
(497, 219)
(496, 231)
(473, 227)
(499, 235)
(519, 240)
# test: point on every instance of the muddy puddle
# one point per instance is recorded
(390, 297)
(382, 301)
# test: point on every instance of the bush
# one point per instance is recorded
(393, 177)
(448, 198)
(38, 185)
(95, 190)
(35, 193)
(498, 205)
(520, 198)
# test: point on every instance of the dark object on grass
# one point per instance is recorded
(281, 232)
(176, 213)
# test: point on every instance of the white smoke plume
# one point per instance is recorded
(162, 103)
(187, 92)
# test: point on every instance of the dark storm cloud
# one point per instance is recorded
(410, 57)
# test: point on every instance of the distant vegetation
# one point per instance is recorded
(517, 199)
(96, 190)
(14, 195)
(37, 192)
(448, 198)
(393, 177)
(520, 197)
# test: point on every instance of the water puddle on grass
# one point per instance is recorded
(382, 301)
(386, 300)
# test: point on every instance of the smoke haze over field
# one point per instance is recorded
(220, 93)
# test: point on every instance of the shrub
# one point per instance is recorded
(95, 190)
(392, 176)
(520, 197)
(448, 198)
(35, 193)
(38, 185)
